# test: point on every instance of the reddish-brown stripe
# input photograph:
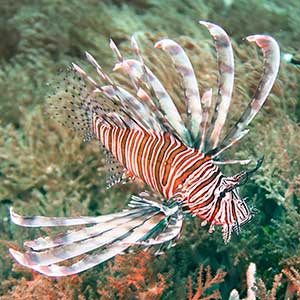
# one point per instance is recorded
(216, 209)
(98, 128)
(205, 183)
(148, 158)
(140, 155)
(196, 166)
(188, 172)
(166, 144)
(169, 162)
(115, 141)
(208, 201)
(123, 142)
(130, 149)
(101, 133)
(109, 139)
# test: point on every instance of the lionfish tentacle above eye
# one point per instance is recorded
(190, 85)
(242, 177)
(233, 161)
(226, 78)
(271, 54)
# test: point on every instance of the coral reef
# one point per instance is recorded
(36, 286)
(206, 286)
(45, 170)
(289, 278)
(132, 277)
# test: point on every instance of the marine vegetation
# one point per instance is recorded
(46, 169)
(146, 137)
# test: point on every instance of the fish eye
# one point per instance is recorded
(222, 194)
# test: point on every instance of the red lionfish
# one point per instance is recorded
(146, 137)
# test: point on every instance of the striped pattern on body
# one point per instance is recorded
(170, 167)
(159, 159)
(146, 135)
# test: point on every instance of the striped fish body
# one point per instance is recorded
(159, 159)
(147, 137)
(170, 168)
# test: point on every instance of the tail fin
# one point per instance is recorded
(146, 223)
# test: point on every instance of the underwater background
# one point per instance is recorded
(46, 170)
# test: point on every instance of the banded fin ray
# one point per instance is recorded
(131, 105)
(170, 233)
(79, 98)
(120, 107)
(41, 221)
(162, 100)
(145, 221)
(133, 109)
(190, 85)
(93, 259)
(271, 63)
(145, 99)
(226, 78)
(206, 101)
(66, 251)
(84, 233)
(164, 106)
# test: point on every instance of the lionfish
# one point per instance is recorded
(146, 137)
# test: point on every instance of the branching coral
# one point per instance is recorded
(251, 285)
(131, 277)
(293, 288)
(43, 288)
(289, 278)
(206, 290)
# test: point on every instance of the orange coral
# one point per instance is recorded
(293, 288)
(131, 278)
(204, 286)
(44, 288)
(257, 288)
